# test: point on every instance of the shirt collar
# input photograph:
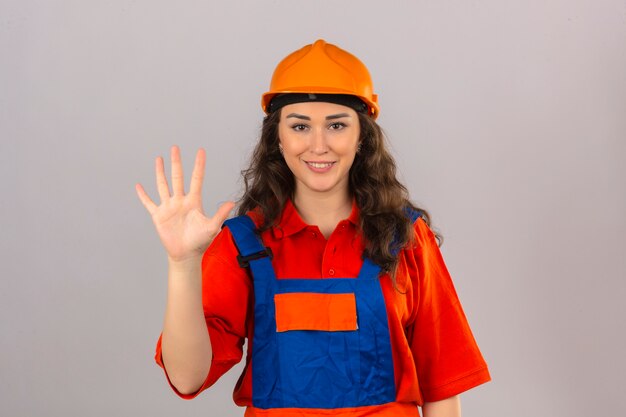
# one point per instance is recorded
(291, 222)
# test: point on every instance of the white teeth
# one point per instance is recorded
(320, 165)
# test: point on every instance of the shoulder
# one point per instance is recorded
(224, 245)
(256, 215)
(424, 236)
(222, 249)
(422, 255)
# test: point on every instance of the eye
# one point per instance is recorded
(337, 126)
(299, 127)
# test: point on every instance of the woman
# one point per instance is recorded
(333, 277)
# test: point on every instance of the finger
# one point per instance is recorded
(161, 180)
(145, 199)
(197, 176)
(178, 182)
(222, 213)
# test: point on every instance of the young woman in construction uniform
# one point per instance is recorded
(330, 272)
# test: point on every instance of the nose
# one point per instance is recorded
(319, 144)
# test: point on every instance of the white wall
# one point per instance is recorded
(508, 120)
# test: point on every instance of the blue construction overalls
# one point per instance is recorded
(312, 368)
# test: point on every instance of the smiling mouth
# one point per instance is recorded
(320, 165)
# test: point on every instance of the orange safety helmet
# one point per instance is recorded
(322, 68)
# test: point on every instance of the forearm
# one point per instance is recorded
(186, 346)
(450, 407)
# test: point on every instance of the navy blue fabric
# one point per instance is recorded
(317, 369)
(247, 240)
(413, 215)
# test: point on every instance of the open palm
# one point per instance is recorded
(183, 228)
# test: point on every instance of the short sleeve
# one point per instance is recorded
(226, 297)
(447, 358)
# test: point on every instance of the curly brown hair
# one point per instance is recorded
(382, 200)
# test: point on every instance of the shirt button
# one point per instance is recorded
(313, 235)
(331, 272)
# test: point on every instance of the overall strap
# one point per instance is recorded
(253, 255)
(248, 243)
(256, 258)
(413, 215)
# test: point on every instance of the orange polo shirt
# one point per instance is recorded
(434, 353)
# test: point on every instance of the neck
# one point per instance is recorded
(324, 210)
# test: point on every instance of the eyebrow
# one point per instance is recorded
(303, 117)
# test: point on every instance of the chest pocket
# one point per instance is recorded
(315, 311)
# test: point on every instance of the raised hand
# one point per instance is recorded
(183, 228)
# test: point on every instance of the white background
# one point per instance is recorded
(507, 119)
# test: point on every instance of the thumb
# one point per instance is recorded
(222, 212)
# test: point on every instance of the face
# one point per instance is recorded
(319, 142)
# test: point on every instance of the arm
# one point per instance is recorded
(450, 407)
(447, 359)
(185, 342)
(185, 233)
